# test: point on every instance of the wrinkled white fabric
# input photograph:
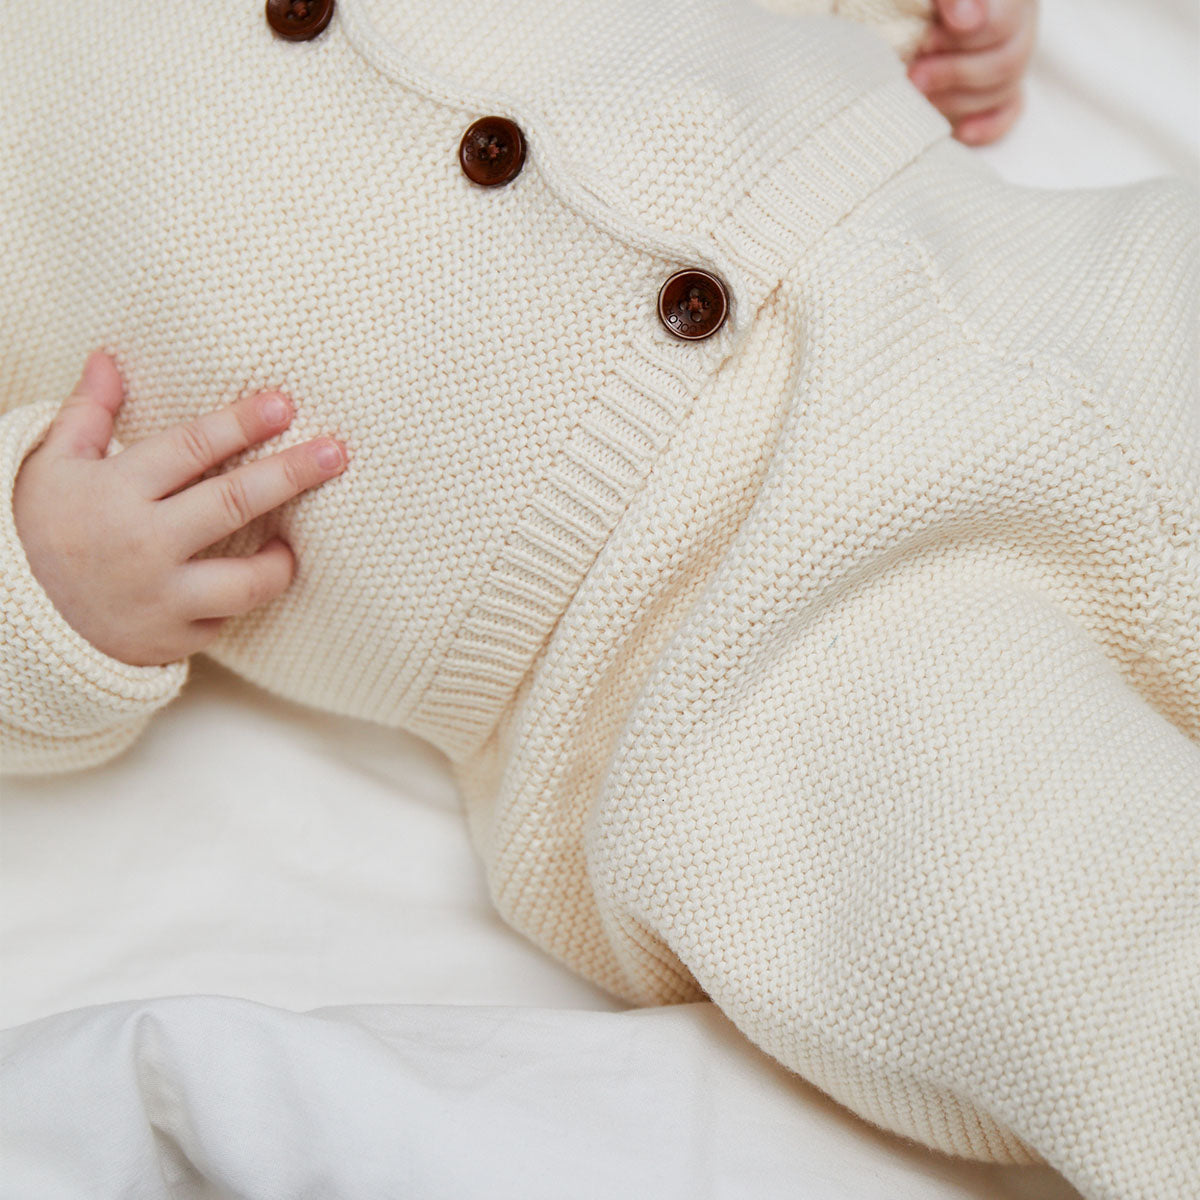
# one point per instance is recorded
(203, 1097)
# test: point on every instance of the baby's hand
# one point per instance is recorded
(109, 539)
(971, 63)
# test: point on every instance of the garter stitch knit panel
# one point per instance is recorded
(899, 761)
(842, 668)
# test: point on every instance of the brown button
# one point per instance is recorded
(692, 304)
(298, 20)
(492, 151)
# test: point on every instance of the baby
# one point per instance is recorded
(789, 531)
(111, 540)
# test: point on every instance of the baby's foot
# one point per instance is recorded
(971, 63)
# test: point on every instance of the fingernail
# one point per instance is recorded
(920, 78)
(275, 410)
(329, 456)
(90, 375)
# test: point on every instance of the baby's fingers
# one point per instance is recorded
(211, 589)
(958, 107)
(1001, 21)
(214, 508)
(986, 127)
(166, 461)
(981, 71)
(962, 16)
(83, 425)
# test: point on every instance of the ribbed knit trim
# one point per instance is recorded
(815, 180)
(604, 461)
(39, 635)
(818, 182)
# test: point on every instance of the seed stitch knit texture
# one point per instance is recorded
(843, 668)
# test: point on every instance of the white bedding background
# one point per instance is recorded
(254, 956)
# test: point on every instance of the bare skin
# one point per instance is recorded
(971, 64)
(111, 539)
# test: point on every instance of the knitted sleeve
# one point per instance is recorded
(64, 704)
(901, 22)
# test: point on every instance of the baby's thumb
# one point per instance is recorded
(84, 423)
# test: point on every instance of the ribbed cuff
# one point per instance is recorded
(53, 682)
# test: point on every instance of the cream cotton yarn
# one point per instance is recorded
(843, 667)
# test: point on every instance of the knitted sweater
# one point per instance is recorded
(842, 667)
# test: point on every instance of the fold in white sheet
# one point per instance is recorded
(211, 1097)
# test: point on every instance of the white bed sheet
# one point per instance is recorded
(255, 957)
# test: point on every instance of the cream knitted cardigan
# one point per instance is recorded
(843, 667)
